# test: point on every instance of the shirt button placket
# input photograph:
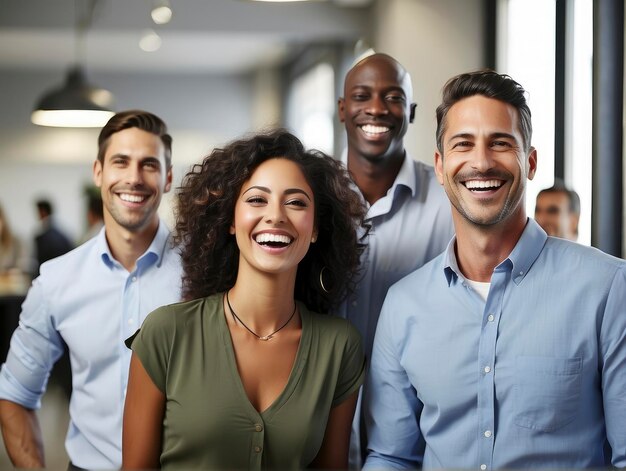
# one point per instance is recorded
(258, 437)
(487, 358)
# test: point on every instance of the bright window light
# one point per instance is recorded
(311, 106)
(526, 53)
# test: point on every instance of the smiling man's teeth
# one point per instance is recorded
(132, 198)
(483, 184)
(371, 129)
(272, 238)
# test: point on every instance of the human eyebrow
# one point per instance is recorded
(257, 187)
(501, 135)
(398, 90)
(291, 191)
(461, 135)
(118, 156)
(151, 161)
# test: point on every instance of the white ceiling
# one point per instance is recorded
(204, 36)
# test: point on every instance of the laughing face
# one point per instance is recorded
(274, 221)
(376, 108)
(132, 178)
(483, 166)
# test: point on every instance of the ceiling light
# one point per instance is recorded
(161, 12)
(75, 104)
(150, 41)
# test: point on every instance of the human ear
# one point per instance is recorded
(341, 109)
(439, 167)
(412, 112)
(168, 180)
(97, 173)
(532, 162)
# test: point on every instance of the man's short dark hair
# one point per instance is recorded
(135, 119)
(44, 206)
(490, 84)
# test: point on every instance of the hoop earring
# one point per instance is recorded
(326, 290)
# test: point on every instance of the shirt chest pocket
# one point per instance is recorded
(547, 391)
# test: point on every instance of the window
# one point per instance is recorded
(526, 51)
(311, 106)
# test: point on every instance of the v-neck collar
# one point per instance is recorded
(302, 355)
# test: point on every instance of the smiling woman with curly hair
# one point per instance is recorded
(246, 373)
(206, 203)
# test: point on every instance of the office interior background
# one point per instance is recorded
(223, 68)
(229, 67)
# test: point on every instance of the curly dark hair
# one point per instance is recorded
(205, 210)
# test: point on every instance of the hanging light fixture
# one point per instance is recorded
(77, 103)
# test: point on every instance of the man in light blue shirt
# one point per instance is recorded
(408, 211)
(93, 298)
(509, 349)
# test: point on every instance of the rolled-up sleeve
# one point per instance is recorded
(35, 347)
(392, 409)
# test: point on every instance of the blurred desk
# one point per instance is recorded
(13, 289)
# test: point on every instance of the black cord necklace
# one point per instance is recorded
(265, 338)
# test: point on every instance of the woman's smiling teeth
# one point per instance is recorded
(273, 240)
(483, 185)
(132, 198)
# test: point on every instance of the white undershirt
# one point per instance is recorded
(482, 288)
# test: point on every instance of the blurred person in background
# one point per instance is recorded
(50, 241)
(92, 299)
(94, 215)
(557, 210)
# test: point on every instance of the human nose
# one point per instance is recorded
(376, 106)
(134, 175)
(482, 158)
(275, 213)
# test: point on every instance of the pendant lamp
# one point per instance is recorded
(76, 104)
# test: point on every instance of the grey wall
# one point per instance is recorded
(434, 40)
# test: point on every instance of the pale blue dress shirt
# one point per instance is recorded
(533, 377)
(410, 226)
(90, 301)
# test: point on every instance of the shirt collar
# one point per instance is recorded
(153, 254)
(406, 176)
(519, 261)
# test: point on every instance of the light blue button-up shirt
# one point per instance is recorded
(90, 301)
(410, 226)
(533, 377)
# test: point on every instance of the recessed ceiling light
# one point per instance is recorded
(162, 12)
(150, 41)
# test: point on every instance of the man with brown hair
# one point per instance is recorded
(93, 298)
(508, 350)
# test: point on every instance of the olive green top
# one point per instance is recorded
(209, 422)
